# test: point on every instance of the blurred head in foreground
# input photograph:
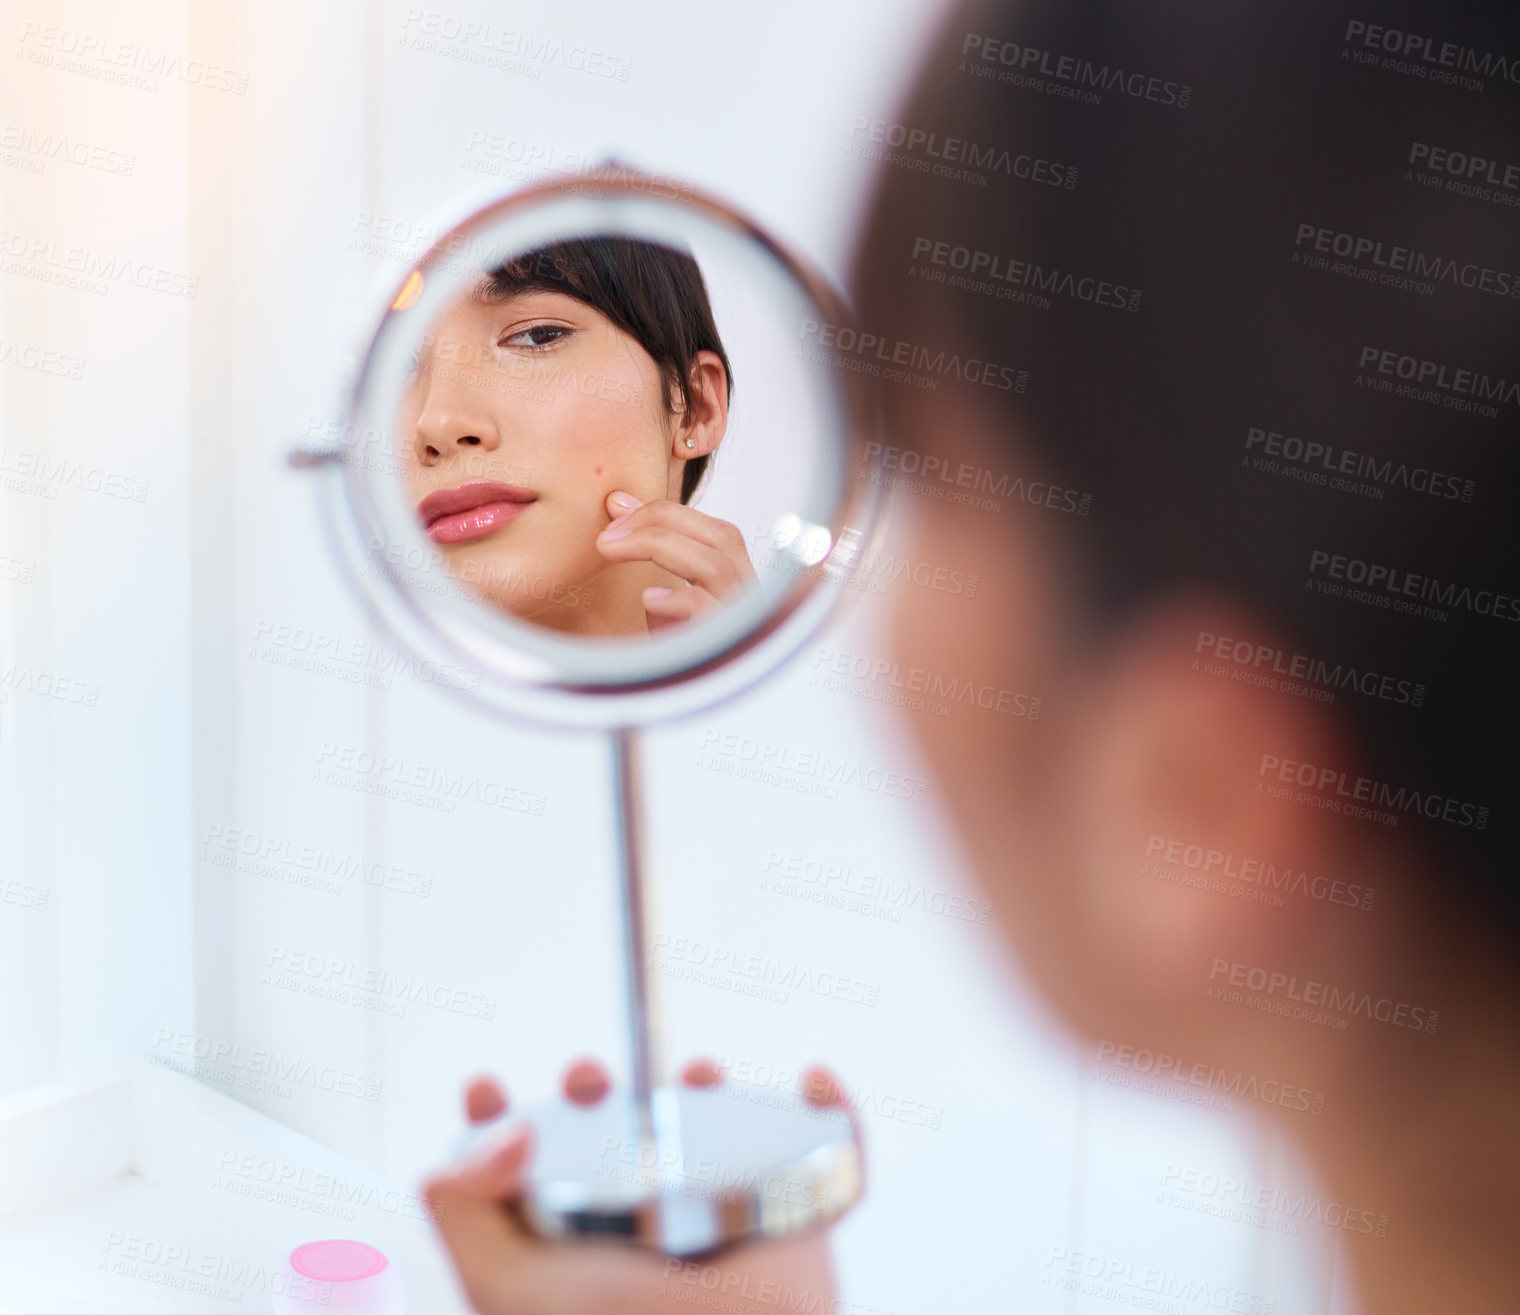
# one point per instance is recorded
(1197, 329)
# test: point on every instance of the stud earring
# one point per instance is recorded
(691, 442)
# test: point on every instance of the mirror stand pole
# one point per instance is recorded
(628, 790)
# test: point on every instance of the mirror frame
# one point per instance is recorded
(512, 680)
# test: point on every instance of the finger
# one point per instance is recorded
(663, 607)
(484, 1100)
(820, 1087)
(678, 553)
(702, 1073)
(484, 1240)
(492, 1174)
(714, 531)
(620, 503)
(586, 1082)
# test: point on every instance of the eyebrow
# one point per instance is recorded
(489, 292)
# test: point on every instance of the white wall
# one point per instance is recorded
(334, 131)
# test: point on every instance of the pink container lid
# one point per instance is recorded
(337, 1260)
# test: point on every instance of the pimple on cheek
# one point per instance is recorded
(598, 470)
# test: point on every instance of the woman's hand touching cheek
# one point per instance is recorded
(708, 553)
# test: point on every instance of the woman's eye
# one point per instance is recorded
(537, 335)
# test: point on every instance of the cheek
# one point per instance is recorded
(607, 435)
(407, 415)
(989, 763)
(630, 455)
(578, 451)
(945, 636)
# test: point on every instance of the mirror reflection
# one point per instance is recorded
(562, 423)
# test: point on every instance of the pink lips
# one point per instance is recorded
(473, 510)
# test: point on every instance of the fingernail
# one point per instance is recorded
(616, 530)
(585, 1082)
(626, 500)
(818, 1087)
(656, 591)
(702, 1073)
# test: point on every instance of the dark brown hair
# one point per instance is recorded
(1189, 222)
(652, 292)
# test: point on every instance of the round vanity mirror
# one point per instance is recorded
(571, 353)
(603, 460)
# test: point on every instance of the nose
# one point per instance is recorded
(454, 417)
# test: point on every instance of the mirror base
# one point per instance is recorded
(721, 1167)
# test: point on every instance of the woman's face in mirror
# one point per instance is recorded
(525, 413)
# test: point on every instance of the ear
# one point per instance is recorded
(704, 419)
(1192, 849)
